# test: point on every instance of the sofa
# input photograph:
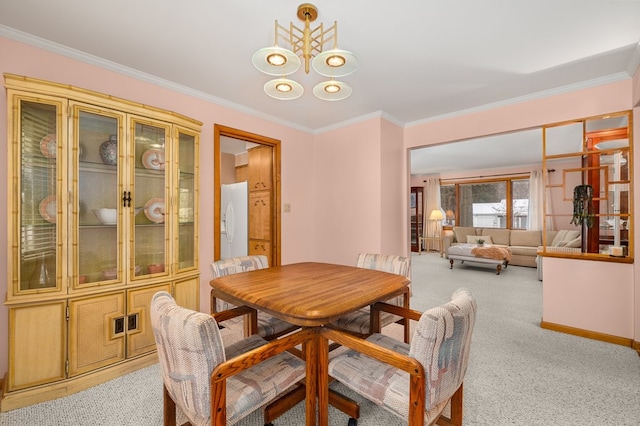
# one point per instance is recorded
(524, 244)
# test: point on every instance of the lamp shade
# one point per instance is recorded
(276, 61)
(332, 90)
(335, 63)
(283, 89)
(436, 214)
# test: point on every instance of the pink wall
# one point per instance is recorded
(393, 166)
(582, 103)
(577, 294)
(348, 192)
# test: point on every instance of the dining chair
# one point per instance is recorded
(213, 384)
(359, 322)
(268, 327)
(412, 381)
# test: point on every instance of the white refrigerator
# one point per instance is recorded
(234, 226)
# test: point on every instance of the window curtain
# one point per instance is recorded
(537, 194)
(431, 202)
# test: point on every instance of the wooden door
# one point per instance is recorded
(37, 344)
(140, 338)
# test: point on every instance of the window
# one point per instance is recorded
(492, 203)
(519, 204)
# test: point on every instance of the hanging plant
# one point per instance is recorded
(583, 206)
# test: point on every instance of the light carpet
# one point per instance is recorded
(519, 374)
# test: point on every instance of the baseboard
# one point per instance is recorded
(636, 346)
(603, 337)
(62, 388)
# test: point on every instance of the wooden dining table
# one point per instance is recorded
(311, 295)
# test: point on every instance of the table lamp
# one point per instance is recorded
(437, 215)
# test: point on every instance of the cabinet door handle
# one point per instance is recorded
(126, 199)
(132, 322)
(118, 326)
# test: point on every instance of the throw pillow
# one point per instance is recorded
(564, 235)
(473, 239)
(575, 243)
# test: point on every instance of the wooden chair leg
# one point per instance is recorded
(456, 410)
(406, 323)
(169, 408)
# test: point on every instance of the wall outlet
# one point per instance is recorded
(287, 208)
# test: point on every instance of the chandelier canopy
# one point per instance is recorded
(306, 44)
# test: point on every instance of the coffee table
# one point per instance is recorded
(465, 252)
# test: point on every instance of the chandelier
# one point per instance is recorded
(307, 44)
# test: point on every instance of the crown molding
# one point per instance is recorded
(360, 119)
(530, 97)
(634, 63)
(30, 39)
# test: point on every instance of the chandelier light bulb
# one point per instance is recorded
(276, 59)
(283, 87)
(335, 61)
(332, 88)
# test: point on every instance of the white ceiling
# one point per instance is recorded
(420, 59)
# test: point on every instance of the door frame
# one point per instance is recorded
(220, 130)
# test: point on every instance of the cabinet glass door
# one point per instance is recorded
(187, 239)
(37, 133)
(149, 203)
(98, 207)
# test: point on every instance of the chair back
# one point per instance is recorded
(386, 263)
(189, 348)
(441, 343)
(235, 265)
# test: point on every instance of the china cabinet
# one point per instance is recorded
(103, 206)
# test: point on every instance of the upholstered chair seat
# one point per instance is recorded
(413, 381)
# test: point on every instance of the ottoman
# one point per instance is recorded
(487, 254)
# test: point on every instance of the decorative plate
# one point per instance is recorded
(48, 146)
(48, 208)
(154, 210)
(153, 159)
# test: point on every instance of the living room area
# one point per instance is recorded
(528, 209)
